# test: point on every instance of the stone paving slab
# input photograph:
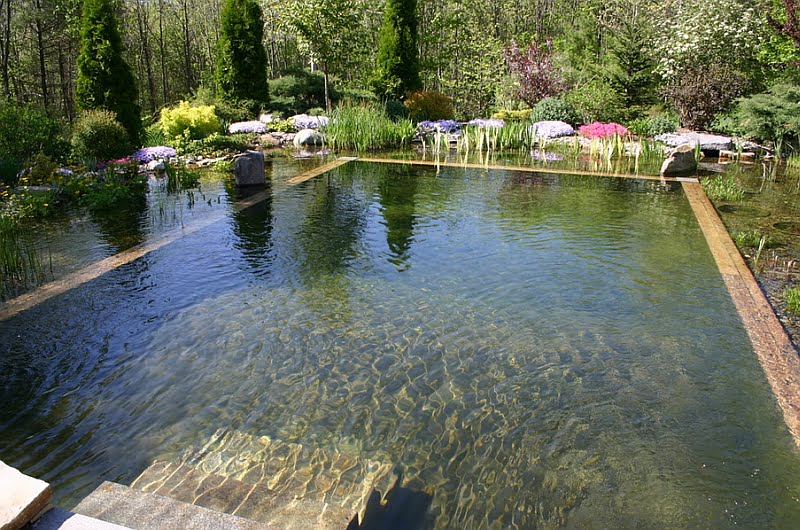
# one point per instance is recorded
(58, 519)
(22, 499)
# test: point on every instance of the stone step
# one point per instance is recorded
(138, 510)
(255, 502)
(22, 498)
(336, 477)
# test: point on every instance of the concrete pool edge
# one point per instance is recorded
(15, 306)
(772, 345)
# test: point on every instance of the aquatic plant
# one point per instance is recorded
(722, 188)
(363, 127)
(514, 135)
(252, 127)
(148, 154)
(747, 238)
(602, 130)
(792, 297)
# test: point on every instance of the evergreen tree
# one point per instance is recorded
(631, 68)
(105, 81)
(397, 70)
(241, 58)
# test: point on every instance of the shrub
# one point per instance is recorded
(299, 91)
(97, 135)
(513, 115)
(554, 109)
(700, 92)
(430, 105)
(316, 111)
(653, 126)
(395, 109)
(26, 131)
(397, 62)
(596, 101)
(194, 123)
(773, 115)
(228, 111)
(793, 300)
(363, 127)
(534, 69)
(284, 126)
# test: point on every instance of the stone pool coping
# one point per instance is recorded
(771, 343)
(769, 339)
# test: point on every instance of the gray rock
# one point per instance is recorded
(248, 169)
(155, 165)
(680, 163)
(308, 137)
(708, 142)
(270, 140)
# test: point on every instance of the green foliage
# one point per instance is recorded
(726, 123)
(41, 170)
(429, 105)
(113, 188)
(217, 143)
(792, 297)
(397, 62)
(284, 126)
(316, 111)
(154, 136)
(555, 109)
(653, 125)
(363, 127)
(395, 109)
(299, 91)
(241, 59)
(722, 189)
(186, 121)
(105, 81)
(97, 135)
(596, 100)
(181, 178)
(773, 115)
(229, 111)
(513, 115)
(24, 132)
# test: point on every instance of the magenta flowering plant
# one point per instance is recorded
(603, 130)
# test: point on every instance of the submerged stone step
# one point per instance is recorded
(251, 501)
(58, 519)
(138, 510)
(332, 476)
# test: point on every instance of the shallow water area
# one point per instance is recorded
(532, 350)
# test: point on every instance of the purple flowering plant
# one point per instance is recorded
(252, 127)
(304, 121)
(148, 154)
(445, 126)
(493, 123)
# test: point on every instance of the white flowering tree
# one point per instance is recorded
(703, 32)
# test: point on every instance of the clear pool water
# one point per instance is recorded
(533, 351)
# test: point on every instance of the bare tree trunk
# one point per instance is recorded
(141, 15)
(39, 30)
(5, 49)
(66, 92)
(161, 50)
(187, 48)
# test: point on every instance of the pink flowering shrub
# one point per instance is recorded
(602, 130)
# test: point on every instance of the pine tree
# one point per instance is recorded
(241, 58)
(105, 81)
(631, 68)
(397, 70)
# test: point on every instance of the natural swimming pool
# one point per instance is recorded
(533, 350)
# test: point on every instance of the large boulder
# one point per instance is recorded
(709, 143)
(248, 169)
(680, 162)
(308, 137)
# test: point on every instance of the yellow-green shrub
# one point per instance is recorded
(512, 115)
(429, 105)
(200, 121)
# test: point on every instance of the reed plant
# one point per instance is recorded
(511, 136)
(364, 127)
(792, 297)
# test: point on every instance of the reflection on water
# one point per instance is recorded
(527, 351)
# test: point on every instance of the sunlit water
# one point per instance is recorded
(533, 351)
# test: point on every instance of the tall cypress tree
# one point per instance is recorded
(241, 57)
(105, 81)
(397, 70)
